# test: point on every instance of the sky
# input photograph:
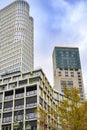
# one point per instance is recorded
(57, 23)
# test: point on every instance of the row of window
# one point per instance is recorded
(60, 73)
(8, 127)
(18, 51)
(19, 77)
(69, 83)
(19, 117)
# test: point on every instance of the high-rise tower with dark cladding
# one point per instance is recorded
(67, 69)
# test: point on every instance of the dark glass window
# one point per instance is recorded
(66, 58)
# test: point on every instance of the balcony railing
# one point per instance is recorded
(7, 119)
(8, 109)
(31, 81)
(19, 95)
(31, 92)
(19, 107)
(31, 116)
(0, 98)
(9, 97)
(12, 85)
(18, 118)
(6, 81)
(31, 104)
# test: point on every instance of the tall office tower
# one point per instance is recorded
(67, 69)
(16, 38)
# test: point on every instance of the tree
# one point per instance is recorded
(83, 116)
(72, 112)
(53, 113)
(44, 117)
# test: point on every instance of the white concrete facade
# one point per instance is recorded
(16, 38)
(21, 93)
(71, 78)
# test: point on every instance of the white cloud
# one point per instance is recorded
(74, 31)
(69, 22)
(59, 4)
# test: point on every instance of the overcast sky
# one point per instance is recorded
(57, 23)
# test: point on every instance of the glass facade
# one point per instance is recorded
(67, 58)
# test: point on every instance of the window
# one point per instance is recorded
(59, 73)
(6, 127)
(41, 101)
(80, 85)
(81, 95)
(23, 82)
(12, 85)
(66, 73)
(44, 96)
(1, 96)
(41, 92)
(79, 76)
(31, 115)
(45, 105)
(70, 83)
(78, 73)
(80, 82)
(16, 77)
(72, 74)
(31, 101)
(63, 82)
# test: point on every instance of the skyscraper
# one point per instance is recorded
(16, 38)
(67, 69)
